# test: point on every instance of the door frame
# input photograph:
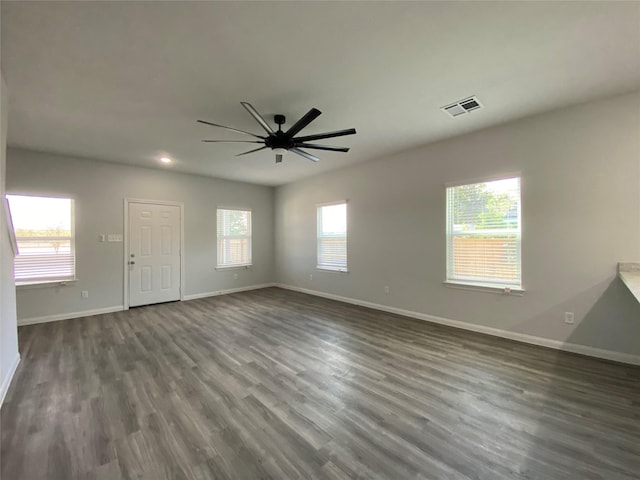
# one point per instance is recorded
(125, 264)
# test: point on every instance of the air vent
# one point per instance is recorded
(463, 106)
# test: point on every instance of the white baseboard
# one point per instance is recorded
(67, 316)
(119, 308)
(519, 337)
(6, 381)
(227, 291)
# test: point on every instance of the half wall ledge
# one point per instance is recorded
(629, 272)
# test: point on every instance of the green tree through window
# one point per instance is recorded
(483, 233)
(476, 206)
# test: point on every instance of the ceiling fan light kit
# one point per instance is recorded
(282, 142)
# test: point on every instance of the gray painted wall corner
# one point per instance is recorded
(580, 203)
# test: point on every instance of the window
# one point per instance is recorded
(44, 229)
(332, 237)
(483, 234)
(234, 238)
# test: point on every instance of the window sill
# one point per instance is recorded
(332, 269)
(477, 287)
(46, 284)
(233, 267)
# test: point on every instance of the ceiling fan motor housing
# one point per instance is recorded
(279, 139)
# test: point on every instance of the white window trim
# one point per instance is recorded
(332, 269)
(42, 282)
(489, 178)
(250, 237)
(329, 204)
(329, 268)
(479, 286)
(47, 284)
(234, 267)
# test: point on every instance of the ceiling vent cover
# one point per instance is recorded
(463, 106)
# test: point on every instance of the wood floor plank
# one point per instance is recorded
(274, 384)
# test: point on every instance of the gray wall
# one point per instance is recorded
(580, 171)
(99, 189)
(8, 328)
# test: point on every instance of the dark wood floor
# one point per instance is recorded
(277, 384)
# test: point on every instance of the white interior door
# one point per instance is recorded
(154, 253)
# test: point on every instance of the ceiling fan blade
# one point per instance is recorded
(338, 133)
(308, 117)
(304, 154)
(254, 113)
(250, 151)
(230, 128)
(278, 158)
(233, 141)
(323, 147)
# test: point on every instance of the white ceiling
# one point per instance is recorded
(126, 81)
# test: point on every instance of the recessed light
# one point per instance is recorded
(165, 160)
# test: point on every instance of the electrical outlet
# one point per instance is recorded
(85, 294)
(235, 276)
(568, 317)
(386, 289)
(310, 276)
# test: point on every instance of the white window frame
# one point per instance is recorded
(320, 265)
(47, 280)
(221, 238)
(489, 285)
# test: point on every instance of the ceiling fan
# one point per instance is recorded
(281, 142)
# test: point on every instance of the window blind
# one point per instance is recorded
(484, 233)
(44, 233)
(234, 238)
(332, 237)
